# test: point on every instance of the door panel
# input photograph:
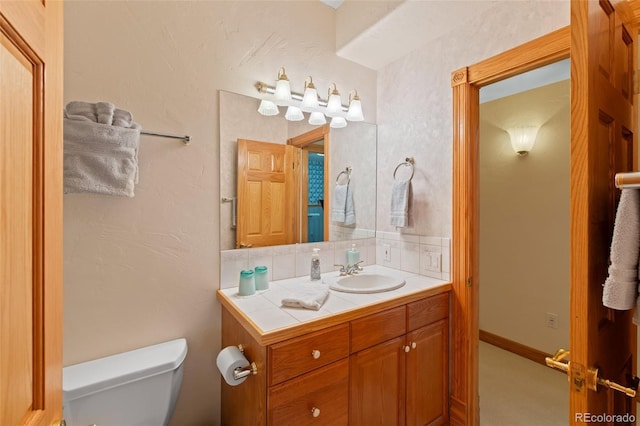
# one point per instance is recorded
(602, 144)
(16, 227)
(265, 194)
(30, 212)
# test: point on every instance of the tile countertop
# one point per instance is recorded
(263, 315)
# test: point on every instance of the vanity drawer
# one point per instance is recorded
(297, 356)
(377, 328)
(316, 398)
(427, 311)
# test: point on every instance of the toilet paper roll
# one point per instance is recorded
(228, 360)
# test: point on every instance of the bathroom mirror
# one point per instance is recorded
(320, 159)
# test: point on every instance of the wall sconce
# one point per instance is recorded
(523, 138)
(297, 104)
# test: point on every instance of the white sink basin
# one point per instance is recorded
(366, 283)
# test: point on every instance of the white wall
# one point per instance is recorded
(145, 270)
(524, 219)
(415, 105)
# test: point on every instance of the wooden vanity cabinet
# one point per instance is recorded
(403, 380)
(386, 368)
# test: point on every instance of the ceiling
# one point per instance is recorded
(402, 28)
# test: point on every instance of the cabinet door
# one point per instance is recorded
(428, 375)
(377, 385)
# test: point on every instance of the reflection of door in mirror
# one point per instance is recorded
(314, 185)
(266, 193)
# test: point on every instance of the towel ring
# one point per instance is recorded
(408, 162)
(346, 171)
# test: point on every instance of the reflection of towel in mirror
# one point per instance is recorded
(308, 298)
(621, 286)
(400, 203)
(100, 149)
(342, 208)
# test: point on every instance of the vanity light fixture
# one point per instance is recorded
(297, 104)
(283, 88)
(310, 98)
(354, 113)
(523, 138)
(334, 104)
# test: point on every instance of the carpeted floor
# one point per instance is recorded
(516, 391)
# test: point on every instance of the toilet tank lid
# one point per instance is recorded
(100, 374)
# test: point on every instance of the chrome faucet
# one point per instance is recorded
(349, 269)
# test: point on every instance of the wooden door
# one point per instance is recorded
(427, 387)
(30, 212)
(603, 58)
(378, 384)
(266, 205)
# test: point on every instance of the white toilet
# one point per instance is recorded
(136, 388)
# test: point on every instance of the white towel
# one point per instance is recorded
(100, 149)
(342, 208)
(400, 203)
(308, 298)
(621, 286)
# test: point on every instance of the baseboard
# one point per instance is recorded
(515, 347)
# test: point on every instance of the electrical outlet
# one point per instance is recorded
(387, 252)
(552, 320)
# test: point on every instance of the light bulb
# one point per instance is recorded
(338, 122)
(317, 118)
(334, 104)
(294, 114)
(268, 108)
(355, 109)
(283, 88)
(310, 98)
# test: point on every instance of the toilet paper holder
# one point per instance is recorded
(240, 372)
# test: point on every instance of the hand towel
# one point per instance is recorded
(104, 112)
(80, 111)
(400, 203)
(99, 157)
(342, 207)
(122, 118)
(621, 286)
(308, 298)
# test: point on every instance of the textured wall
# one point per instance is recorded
(415, 106)
(145, 270)
(524, 219)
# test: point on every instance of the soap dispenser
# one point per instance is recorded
(353, 255)
(315, 264)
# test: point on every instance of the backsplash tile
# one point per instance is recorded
(417, 254)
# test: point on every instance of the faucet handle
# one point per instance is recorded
(343, 269)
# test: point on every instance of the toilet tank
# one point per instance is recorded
(135, 388)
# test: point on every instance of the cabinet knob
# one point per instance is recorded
(315, 412)
(315, 354)
(413, 345)
(407, 348)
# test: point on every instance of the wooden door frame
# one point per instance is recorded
(466, 83)
(300, 141)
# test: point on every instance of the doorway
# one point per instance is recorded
(524, 231)
(466, 83)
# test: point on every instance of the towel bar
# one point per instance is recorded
(346, 171)
(409, 162)
(185, 139)
(627, 180)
